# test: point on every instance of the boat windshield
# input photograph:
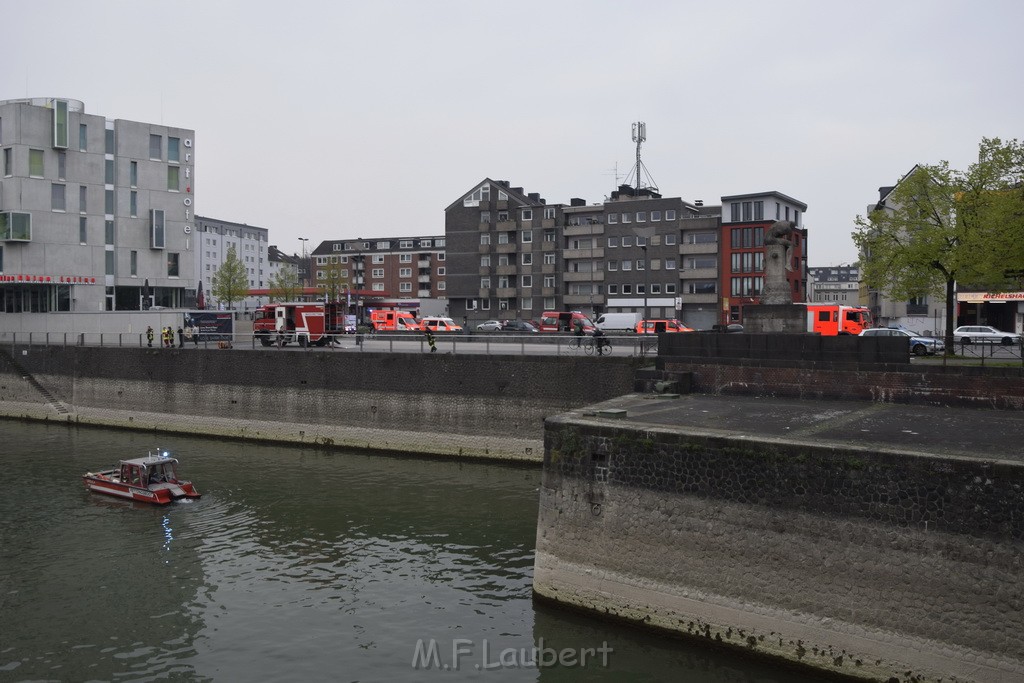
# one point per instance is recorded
(162, 472)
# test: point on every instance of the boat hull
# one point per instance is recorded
(158, 494)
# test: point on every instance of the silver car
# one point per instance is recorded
(919, 345)
(984, 334)
(489, 326)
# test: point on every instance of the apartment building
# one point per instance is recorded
(834, 284)
(216, 238)
(392, 271)
(96, 214)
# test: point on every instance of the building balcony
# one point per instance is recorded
(501, 204)
(423, 278)
(583, 299)
(589, 229)
(507, 248)
(424, 293)
(485, 249)
(423, 263)
(583, 277)
(547, 223)
(485, 270)
(509, 269)
(596, 252)
(484, 293)
(699, 298)
(484, 227)
(549, 246)
(702, 274)
(507, 226)
(547, 268)
(709, 248)
(548, 291)
(506, 292)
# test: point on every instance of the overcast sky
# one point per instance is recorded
(340, 119)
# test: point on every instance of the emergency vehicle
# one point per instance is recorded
(836, 319)
(564, 321)
(303, 323)
(393, 321)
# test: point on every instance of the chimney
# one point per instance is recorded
(517, 190)
(576, 201)
(534, 196)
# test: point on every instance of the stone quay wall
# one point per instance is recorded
(434, 404)
(864, 564)
(834, 368)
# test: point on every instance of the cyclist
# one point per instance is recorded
(599, 341)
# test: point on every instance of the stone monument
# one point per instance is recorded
(777, 312)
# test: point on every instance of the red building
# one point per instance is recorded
(746, 219)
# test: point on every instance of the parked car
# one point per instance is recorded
(984, 334)
(617, 322)
(657, 326)
(489, 326)
(518, 326)
(919, 344)
(437, 324)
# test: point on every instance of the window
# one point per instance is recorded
(526, 304)
(60, 124)
(758, 211)
(405, 258)
(109, 262)
(627, 241)
(133, 175)
(502, 216)
(641, 241)
(83, 193)
(549, 213)
(482, 193)
(701, 286)
(133, 262)
(378, 258)
(405, 272)
(670, 239)
(670, 215)
(378, 287)
(156, 224)
(627, 265)
(485, 216)
(108, 202)
(485, 283)
(641, 216)
(549, 236)
(377, 273)
(83, 232)
(173, 149)
(655, 216)
(613, 218)
(641, 264)
(62, 165)
(405, 244)
(404, 286)
(383, 245)
(670, 264)
(670, 288)
(526, 281)
(108, 232)
(626, 218)
(108, 140)
(627, 289)
(613, 265)
(485, 238)
(613, 242)
(549, 259)
(527, 259)
(503, 238)
(156, 147)
(527, 215)
(15, 226)
(655, 288)
(655, 264)
(83, 137)
(173, 173)
(527, 236)
(441, 271)
(613, 289)
(35, 163)
(172, 264)
(8, 162)
(549, 302)
(57, 198)
(485, 261)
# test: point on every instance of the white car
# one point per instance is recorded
(984, 334)
(489, 326)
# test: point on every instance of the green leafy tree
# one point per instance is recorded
(284, 284)
(334, 281)
(940, 226)
(230, 282)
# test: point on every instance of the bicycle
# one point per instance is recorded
(601, 347)
(577, 342)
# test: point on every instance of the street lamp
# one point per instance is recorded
(304, 265)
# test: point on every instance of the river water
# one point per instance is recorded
(295, 565)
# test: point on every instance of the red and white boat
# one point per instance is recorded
(153, 479)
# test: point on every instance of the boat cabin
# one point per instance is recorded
(149, 470)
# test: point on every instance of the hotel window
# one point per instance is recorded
(57, 198)
(133, 203)
(172, 264)
(527, 259)
(133, 174)
(83, 229)
(35, 163)
(108, 202)
(108, 232)
(62, 165)
(156, 224)
(134, 262)
(156, 147)
(8, 162)
(83, 193)
(173, 149)
(83, 137)
(670, 215)
(108, 171)
(527, 236)
(60, 124)
(173, 175)
(108, 140)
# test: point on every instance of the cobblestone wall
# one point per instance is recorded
(864, 564)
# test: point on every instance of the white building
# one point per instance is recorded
(216, 239)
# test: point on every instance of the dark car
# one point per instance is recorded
(518, 326)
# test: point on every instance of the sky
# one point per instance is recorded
(336, 120)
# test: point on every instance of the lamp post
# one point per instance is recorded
(304, 265)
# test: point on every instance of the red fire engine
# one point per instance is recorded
(303, 323)
(835, 319)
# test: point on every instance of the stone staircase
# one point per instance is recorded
(654, 381)
(55, 403)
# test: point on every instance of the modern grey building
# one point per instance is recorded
(93, 210)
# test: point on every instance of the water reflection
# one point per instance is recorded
(294, 565)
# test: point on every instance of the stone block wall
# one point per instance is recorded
(866, 564)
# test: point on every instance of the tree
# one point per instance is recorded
(335, 281)
(284, 284)
(230, 282)
(939, 226)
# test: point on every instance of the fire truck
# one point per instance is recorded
(835, 319)
(303, 323)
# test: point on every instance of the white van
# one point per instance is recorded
(618, 322)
